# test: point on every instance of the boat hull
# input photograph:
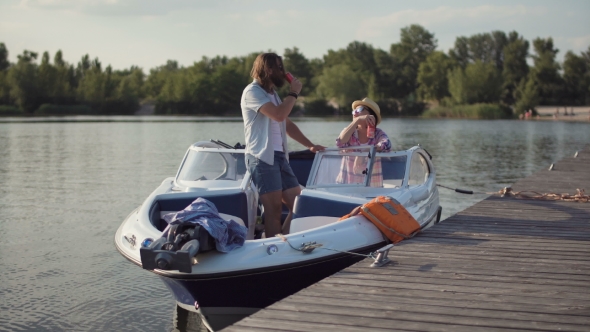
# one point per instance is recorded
(225, 287)
(225, 299)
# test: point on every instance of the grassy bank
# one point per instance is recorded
(50, 109)
(475, 111)
(8, 110)
(47, 110)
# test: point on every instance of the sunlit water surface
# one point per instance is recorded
(66, 186)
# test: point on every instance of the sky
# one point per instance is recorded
(147, 33)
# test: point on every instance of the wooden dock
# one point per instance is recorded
(504, 264)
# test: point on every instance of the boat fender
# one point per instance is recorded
(389, 216)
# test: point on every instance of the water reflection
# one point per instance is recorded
(66, 187)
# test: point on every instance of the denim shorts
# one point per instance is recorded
(269, 178)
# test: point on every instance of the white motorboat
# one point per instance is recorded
(226, 286)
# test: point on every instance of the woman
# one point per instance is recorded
(365, 113)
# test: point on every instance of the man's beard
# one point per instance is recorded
(277, 80)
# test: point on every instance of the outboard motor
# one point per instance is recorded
(176, 249)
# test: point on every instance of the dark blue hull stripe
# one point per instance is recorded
(258, 288)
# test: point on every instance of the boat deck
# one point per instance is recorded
(504, 264)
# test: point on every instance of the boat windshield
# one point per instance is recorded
(350, 167)
(212, 164)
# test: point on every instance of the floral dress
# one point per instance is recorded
(351, 168)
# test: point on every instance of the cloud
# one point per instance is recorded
(269, 18)
(184, 25)
(580, 43)
(118, 7)
(378, 26)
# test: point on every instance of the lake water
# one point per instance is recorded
(65, 187)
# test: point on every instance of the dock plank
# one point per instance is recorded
(503, 264)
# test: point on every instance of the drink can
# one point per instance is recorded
(289, 77)
(371, 131)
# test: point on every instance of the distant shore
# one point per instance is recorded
(558, 113)
(146, 113)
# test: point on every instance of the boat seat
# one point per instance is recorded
(306, 223)
(307, 206)
(224, 216)
(230, 204)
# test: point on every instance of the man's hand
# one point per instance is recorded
(315, 148)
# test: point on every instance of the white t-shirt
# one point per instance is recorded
(275, 129)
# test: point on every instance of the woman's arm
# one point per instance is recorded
(347, 132)
(382, 142)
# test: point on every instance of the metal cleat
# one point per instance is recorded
(381, 258)
(308, 247)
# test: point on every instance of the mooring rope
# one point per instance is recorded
(309, 248)
(579, 196)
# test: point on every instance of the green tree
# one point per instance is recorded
(515, 67)
(137, 80)
(483, 47)
(4, 63)
(432, 77)
(83, 66)
(4, 88)
(359, 63)
(416, 43)
(575, 73)
(91, 88)
(22, 78)
(178, 93)
(296, 63)
(317, 67)
(166, 98)
(4, 85)
(158, 77)
(358, 56)
(341, 84)
(586, 57)
(479, 82)
(126, 99)
(386, 77)
(546, 73)
(46, 80)
(460, 52)
(200, 86)
(62, 91)
(111, 82)
(227, 85)
(244, 65)
(527, 95)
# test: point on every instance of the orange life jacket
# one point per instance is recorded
(389, 216)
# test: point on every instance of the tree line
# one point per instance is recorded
(490, 68)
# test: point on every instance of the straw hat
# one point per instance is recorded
(370, 104)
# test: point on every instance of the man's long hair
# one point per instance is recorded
(263, 66)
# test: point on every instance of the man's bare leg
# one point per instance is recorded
(289, 196)
(272, 212)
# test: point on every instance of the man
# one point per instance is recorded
(266, 124)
